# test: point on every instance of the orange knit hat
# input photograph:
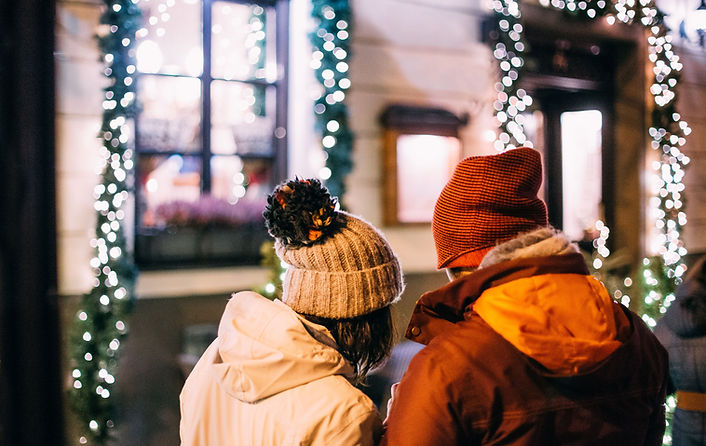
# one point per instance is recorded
(488, 200)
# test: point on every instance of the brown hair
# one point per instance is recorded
(364, 341)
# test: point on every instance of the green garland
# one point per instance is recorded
(331, 42)
(658, 276)
(100, 322)
(667, 130)
(273, 288)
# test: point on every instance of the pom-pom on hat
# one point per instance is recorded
(339, 266)
(488, 200)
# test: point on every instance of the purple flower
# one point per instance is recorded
(210, 211)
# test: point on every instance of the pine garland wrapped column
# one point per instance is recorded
(100, 323)
(331, 42)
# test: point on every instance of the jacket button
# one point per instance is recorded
(414, 331)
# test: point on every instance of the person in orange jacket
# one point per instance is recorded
(283, 372)
(523, 346)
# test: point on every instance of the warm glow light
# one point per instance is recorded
(430, 157)
(149, 57)
(324, 173)
(152, 185)
(193, 61)
(581, 157)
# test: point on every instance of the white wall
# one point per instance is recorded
(425, 53)
(305, 154)
(79, 84)
(421, 52)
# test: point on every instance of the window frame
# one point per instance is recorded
(205, 154)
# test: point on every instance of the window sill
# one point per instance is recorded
(199, 282)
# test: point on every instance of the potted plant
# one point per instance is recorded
(206, 232)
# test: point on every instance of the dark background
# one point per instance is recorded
(30, 384)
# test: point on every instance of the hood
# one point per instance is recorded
(686, 316)
(538, 315)
(264, 348)
(439, 310)
(566, 322)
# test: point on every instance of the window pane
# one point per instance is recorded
(242, 44)
(242, 118)
(581, 171)
(165, 179)
(171, 113)
(171, 40)
(428, 157)
(227, 178)
(241, 179)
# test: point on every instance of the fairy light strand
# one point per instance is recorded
(510, 100)
(100, 321)
(330, 62)
(660, 274)
(667, 133)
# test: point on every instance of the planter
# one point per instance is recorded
(200, 246)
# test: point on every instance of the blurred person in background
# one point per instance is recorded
(682, 331)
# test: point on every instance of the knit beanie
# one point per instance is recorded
(338, 265)
(488, 200)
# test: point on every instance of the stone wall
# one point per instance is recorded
(430, 55)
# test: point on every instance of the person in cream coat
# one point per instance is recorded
(284, 372)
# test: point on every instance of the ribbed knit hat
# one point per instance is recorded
(488, 200)
(339, 266)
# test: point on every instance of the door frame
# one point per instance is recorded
(552, 103)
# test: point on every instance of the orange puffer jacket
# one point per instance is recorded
(530, 351)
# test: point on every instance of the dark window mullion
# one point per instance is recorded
(254, 82)
(206, 97)
(174, 75)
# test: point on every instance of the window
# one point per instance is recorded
(581, 159)
(418, 143)
(571, 130)
(210, 133)
(431, 157)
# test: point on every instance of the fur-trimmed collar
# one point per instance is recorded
(541, 242)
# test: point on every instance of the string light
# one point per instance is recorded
(667, 132)
(510, 99)
(659, 274)
(98, 324)
(329, 60)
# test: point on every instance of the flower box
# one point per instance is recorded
(200, 246)
(206, 232)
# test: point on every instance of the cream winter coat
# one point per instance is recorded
(272, 378)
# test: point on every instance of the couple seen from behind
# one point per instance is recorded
(522, 347)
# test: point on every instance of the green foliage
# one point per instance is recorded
(657, 286)
(331, 42)
(100, 322)
(657, 277)
(273, 288)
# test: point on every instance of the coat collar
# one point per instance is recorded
(437, 311)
